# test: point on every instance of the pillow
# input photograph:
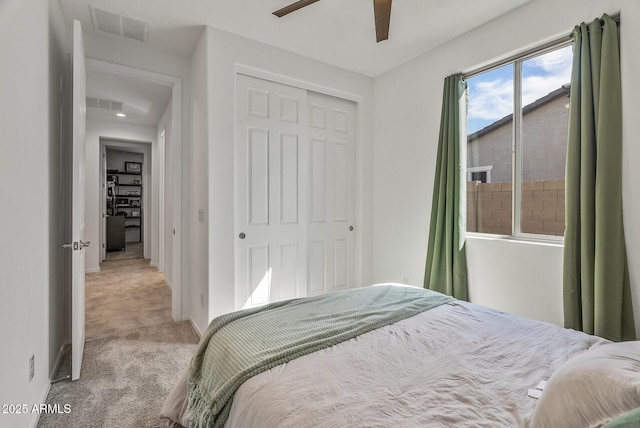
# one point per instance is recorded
(628, 420)
(591, 388)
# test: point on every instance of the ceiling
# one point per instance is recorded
(143, 101)
(337, 32)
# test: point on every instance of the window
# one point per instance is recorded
(479, 173)
(522, 192)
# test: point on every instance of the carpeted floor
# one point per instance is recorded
(132, 250)
(124, 295)
(132, 357)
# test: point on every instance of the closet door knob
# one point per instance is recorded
(242, 235)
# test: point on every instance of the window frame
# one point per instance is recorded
(516, 143)
(474, 169)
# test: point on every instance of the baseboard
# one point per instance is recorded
(92, 270)
(56, 365)
(168, 284)
(195, 327)
(43, 399)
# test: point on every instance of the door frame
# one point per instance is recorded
(135, 146)
(349, 96)
(176, 280)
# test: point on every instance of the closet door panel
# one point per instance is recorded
(332, 193)
(270, 215)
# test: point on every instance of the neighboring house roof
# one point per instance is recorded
(562, 91)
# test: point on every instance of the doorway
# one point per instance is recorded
(161, 166)
(125, 179)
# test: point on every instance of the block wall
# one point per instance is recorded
(489, 207)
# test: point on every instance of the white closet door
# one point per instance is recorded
(331, 193)
(270, 215)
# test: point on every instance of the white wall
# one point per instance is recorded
(225, 50)
(630, 59)
(32, 37)
(97, 129)
(407, 117)
(199, 178)
(58, 284)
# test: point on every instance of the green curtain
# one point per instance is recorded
(597, 296)
(446, 270)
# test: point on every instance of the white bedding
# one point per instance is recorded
(457, 365)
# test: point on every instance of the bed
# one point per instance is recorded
(439, 363)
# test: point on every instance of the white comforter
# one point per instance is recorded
(458, 365)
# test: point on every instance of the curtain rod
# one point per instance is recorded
(538, 49)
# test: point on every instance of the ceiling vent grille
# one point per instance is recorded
(105, 104)
(119, 25)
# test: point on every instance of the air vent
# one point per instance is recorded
(105, 104)
(119, 25)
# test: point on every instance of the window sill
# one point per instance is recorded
(551, 242)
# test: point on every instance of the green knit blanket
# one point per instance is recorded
(242, 344)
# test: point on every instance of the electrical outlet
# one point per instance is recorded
(32, 366)
(202, 299)
(201, 215)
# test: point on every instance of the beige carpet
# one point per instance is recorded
(134, 352)
(124, 295)
(132, 250)
(124, 380)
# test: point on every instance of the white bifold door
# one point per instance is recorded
(295, 192)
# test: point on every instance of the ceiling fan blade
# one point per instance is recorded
(382, 14)
(293, 7)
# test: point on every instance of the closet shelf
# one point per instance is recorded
(125, 197)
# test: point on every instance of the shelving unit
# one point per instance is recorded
(124, 197)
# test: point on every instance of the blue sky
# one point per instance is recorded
(491, 93)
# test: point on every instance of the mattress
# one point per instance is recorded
(457, 365)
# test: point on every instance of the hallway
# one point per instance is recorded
(133, 250)
(125, 295)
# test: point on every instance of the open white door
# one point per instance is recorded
(78, 201)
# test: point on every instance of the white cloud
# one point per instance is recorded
(492, 100)
(555, 62)
(536, 87)
(548, 72)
